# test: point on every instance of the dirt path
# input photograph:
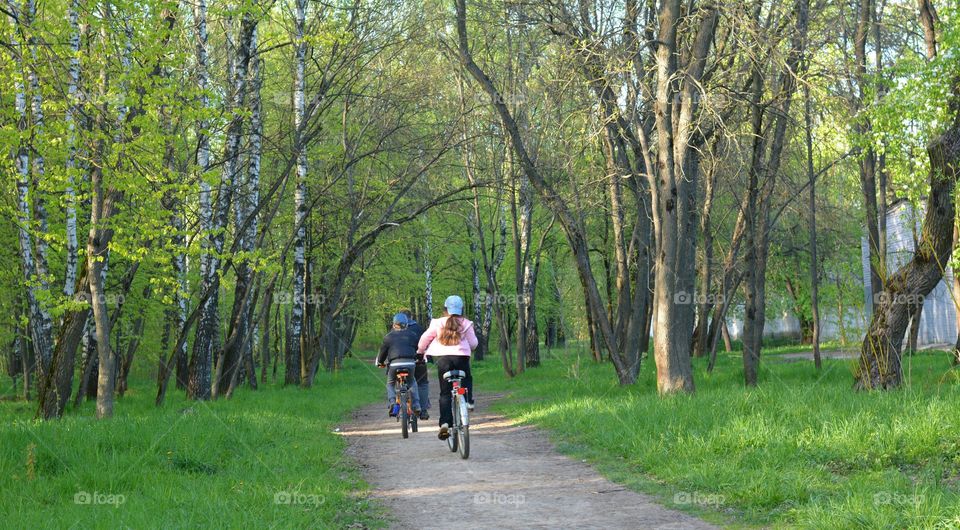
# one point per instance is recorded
(513, 479)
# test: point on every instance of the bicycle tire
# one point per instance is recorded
(463, 429)
(452, 441)
(413, 423)
(464, 434)
(404, 415)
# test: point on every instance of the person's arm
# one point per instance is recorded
(382, 356)
(426, 339)
(471, 335)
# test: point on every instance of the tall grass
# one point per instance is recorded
(264, 459)
(800, 450)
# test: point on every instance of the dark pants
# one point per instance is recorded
(411, 383)
(423, 385)
(444, 365)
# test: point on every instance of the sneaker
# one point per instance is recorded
(394, 410)
(444, 432)
(470, 406)
(424, 415)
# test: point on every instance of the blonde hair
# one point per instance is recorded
(450, 333)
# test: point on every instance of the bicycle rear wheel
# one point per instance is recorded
(404, 415)
(463, 432)
(463, 429)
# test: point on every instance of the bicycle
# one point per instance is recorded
(459, 439)
(406, 417)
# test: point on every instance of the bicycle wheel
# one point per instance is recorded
(413, 420)
(463, 429)
(404, 415)
(452, 439)
(464, 434)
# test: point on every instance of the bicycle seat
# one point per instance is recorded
(455, 374)
(403, 371)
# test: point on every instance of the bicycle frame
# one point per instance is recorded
(403, 389)
(459, 438)
(459, 401)
(406, 417)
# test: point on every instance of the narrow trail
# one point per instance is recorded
(514, 478)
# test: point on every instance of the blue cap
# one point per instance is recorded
(454, 305)
(401, 319)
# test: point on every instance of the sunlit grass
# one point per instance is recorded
(802, 449)
(225, 464)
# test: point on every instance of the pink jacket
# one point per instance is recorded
(430, 342)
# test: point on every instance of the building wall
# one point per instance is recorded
(938, 324)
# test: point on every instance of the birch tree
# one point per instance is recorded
(296, 361)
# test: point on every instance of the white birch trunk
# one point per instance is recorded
(295, 360)
(428, 279)
(36, 107)
(40, 323)
(200, 386)
(70, 276)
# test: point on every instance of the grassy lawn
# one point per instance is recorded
(264, 459)
(801, 450)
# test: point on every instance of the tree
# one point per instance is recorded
(879, 367)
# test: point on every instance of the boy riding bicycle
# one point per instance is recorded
(399, 350)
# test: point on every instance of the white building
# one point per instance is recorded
(938, 324)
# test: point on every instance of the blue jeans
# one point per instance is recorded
(411, 383)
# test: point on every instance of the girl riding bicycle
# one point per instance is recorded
(449, 341)
(399, 350)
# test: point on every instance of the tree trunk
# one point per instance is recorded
(198, 378)
(879, 366)
(916, 311)
(763, 172)
(427, 279)
(229, 362)
(70, 277)
(868, 185)
(104, 205)
(956, 298)
(478, 298)
(674, 193)
(705, 303)
(296, 344)
(41, 333)
(200, 386)
(812, 224)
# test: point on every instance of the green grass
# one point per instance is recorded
(781, 346)
(800, 450)
(221, 464)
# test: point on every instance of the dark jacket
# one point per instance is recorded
(421, 370)
(416, 328)
(398, 344)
